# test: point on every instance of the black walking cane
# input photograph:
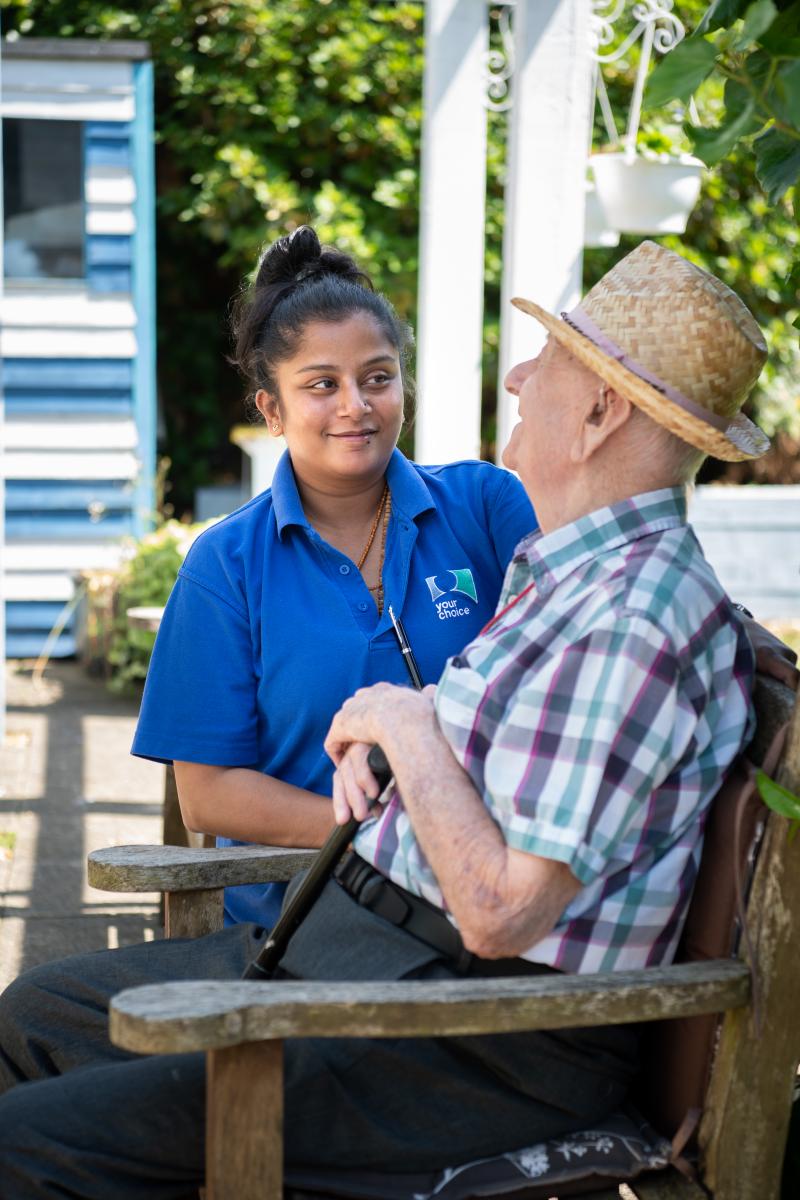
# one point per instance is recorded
(301, 903)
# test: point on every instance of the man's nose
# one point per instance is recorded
(517, 376)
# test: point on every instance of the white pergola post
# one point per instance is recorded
(453, 187)
(545, 189)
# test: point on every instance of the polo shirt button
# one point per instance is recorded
(363, 607)
(344, 569)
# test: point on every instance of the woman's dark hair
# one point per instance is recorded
(299, 281)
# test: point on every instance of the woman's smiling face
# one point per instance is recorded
(339, 402)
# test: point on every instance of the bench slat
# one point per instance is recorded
(181, 869)
(175, 1017)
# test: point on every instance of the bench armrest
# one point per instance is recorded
(180, 869)
(176, 1017)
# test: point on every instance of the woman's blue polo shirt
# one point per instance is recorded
(269, 629)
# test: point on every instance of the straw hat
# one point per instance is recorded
(676, 341)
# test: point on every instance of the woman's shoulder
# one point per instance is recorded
(228, 544)
(474, 482)
(468, 473)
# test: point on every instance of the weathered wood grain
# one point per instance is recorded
(172, 1017)
(774, 703)
(193, 914)
(180, 869)
(244, 1123)
(666, 1185)
(743, 1132)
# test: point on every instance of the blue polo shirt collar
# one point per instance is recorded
(410, 494)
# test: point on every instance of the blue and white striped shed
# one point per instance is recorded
(78, 320)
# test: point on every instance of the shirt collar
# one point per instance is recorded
(409, 492)
(553, 556)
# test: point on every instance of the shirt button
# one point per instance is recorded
(344, 569)
(363, 607)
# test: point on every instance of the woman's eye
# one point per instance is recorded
(379, 379)
(322, 385)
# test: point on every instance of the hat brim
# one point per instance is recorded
(741, 440)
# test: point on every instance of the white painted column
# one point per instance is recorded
(545, 193)
(453, 187)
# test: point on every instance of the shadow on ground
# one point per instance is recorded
(69, 785)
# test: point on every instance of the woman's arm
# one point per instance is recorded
(240, 803)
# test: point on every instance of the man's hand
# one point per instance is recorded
(372, 716)
(773, 657)
(354, 786)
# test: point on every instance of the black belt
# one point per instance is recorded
(421, 919)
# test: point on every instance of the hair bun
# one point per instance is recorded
(299, 256)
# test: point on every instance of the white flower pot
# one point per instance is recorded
(641, 195)
(596, 229)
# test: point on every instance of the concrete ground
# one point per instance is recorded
(68, 785)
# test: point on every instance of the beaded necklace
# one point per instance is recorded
(384, 509)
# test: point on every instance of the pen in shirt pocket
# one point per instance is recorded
(406, 651)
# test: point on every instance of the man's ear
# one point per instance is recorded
(267, 405)
(605, 412)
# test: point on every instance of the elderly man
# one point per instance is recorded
(550, 800)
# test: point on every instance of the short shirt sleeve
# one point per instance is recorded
(584, 743)
(199, 702)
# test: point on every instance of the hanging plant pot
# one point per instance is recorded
(596, 229)
(642, 195)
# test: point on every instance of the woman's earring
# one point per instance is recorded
(275, 428)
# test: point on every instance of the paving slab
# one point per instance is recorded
(69, 785)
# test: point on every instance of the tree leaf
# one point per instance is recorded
(680, 73)
(781, 801)
(712, 145)
(777, 162)
(757, 21)
(783, 35)
(787, 87)
(721, 13)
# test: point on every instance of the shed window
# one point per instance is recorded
(43, 199)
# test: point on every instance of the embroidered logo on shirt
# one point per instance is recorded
(447, 583)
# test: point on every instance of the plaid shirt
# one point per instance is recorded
(596, 719)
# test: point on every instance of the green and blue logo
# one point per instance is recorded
(445, 585)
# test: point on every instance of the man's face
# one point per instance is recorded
(552, 390)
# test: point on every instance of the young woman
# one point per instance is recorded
(281, 610)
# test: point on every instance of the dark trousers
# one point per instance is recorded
(81, 1118)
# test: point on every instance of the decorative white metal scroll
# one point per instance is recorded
(499, 62)
(658, 27)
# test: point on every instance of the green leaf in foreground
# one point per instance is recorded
(778, 798)
(712, 145)
(777, 162)
(721, 13)
(757, 21)
(680, 73)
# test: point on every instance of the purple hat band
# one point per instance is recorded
(584, 324)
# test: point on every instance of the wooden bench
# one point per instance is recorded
(241, 1026)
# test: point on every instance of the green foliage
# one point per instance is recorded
(755, 46)
(146, 579)
(735, 231)
(268, 115)
(780, 800)
(271, 114)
